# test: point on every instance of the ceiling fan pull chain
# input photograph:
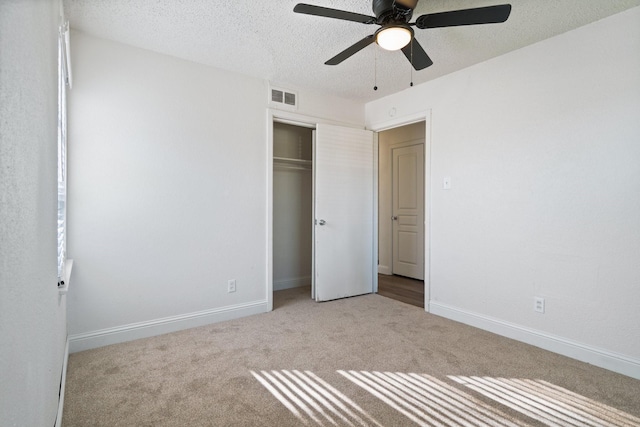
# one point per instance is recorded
(375, 69)
(411, 63)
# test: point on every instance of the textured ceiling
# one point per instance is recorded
(266, 39)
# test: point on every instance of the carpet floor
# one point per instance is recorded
(368, 361)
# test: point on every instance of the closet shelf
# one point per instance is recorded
(288, 161)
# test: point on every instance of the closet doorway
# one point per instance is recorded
(328, 171)
(292, 206)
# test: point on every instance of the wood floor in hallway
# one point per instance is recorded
(401, 288)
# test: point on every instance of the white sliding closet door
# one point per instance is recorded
(344, 212)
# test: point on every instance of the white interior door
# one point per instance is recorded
(344, 209)
(408, 211)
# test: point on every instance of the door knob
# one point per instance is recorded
(395, 218)
(321, 222)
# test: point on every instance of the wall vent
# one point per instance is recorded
(281, 98)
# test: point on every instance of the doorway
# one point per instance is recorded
(401, 209)
(292, 206)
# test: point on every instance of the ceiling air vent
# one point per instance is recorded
(281, 98)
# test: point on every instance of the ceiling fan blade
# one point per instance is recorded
(333, 13)
(416, 55)
(454, 18)
(357, 47)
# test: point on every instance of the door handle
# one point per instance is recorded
(321, 221)
(395, 218)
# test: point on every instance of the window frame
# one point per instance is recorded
(64, 83)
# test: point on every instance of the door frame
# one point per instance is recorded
(302, 120)
(399, 122)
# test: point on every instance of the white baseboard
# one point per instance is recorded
(296, 282)
(603, 358)
(63, 383)
(134, 331)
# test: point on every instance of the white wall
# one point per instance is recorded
(387, 138)
(32, 314)
(316, 105)
(167, 192)
(542, 146)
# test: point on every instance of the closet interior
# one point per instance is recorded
(292, 206)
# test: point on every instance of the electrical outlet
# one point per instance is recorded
(231, 285)
(538, 304)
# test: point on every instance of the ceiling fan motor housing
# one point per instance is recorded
(389, 11)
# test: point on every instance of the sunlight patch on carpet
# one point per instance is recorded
(312, 400)
(548, 403)
(428, 401)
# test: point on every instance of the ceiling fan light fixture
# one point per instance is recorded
(393, 38)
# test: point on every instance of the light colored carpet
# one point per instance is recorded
(367, 360)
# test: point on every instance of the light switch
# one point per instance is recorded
(446, 183)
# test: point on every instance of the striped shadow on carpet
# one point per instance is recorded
(427, 401)
(313, 400)
(548, 403)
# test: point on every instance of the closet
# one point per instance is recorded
(292, 206)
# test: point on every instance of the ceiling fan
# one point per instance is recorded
(396, 31)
